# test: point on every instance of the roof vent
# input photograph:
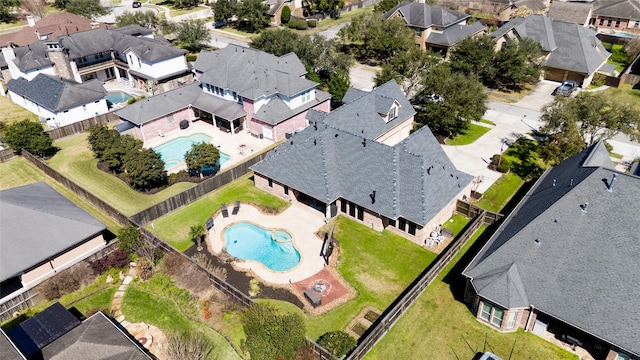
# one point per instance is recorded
(554, 182)
(336, 135)
(364, 142)
(537, 242)
(373, 197)
(314, 142)
(571, 184)
(613, 179)
(584, 207)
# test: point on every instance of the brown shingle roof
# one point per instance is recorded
(52, 25)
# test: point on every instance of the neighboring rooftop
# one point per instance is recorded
(425, 16)
(57, 94)
(50, 26)
(38, 223)
(625, 9)
(571, 12)
(570, 249)
(252, 73)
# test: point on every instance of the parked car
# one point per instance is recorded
(220, 23)
(136, 4)
(567, 88)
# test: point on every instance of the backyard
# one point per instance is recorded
(12, 112)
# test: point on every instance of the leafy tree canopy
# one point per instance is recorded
(86, 8)
(474, 55)
(192, 34)
(6, 7)
(408, 69)
(460, 100)
(270, 335)
(144, 168)
(327, 6)
(29, 135)
(146, 19)
(252, 15)
(202, 155)
(385, 5)
(223, 10)
(373, 38)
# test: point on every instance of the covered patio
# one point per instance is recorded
(229, 118)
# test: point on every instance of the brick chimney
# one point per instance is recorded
(58, 56)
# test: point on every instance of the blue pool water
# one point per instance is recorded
(172, 152)
(251, 242)
(117, 97)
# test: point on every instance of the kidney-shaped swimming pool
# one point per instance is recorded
(273, 248)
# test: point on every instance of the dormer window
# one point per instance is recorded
(393, 113)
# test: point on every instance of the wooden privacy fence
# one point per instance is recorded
(409, 296)
(6, 155)
(470, 210)
(81, 126)
(192, 194)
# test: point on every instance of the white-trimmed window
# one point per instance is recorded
(485, 314)
(492, 314)
(498, 315)
(418, 32)
(393, 113)
(511, 320)
(622, 356)
(617, 23)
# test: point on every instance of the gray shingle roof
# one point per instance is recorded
(153, 107)
(455, 33)
(37, 223)
(134, 30)
(327, 163)
(572, 46)
(97, 338)
(583, 270)
(424, 16)
(625, 9)
(362, 115)
(277, 111)
(352, 94)
(534, 5)
(93, 42)
(57, 94)
(253, 73)
(571, 12)
(8, 350)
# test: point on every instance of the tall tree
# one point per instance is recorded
(146, 19)
(145, 168)
(474, 55)
(196, 232)
(131, 240)
(408, 69)
(461, 99)
(192, 34)
(201, 155)
(332, 7)
(6, 9)
(385, 5)
(29, 136)
(86, 8)
(252, 15)
(377, 39)
(270, 335)
(223, 10)
(518, 62)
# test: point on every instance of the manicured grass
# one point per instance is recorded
(438, 326)
(152, 308)
(12, 112)
(473, 133)
(174, 227)
(615, 155)
(625, 93)
(456, 224)
(100, 300)
(488, 122)
(19, 172)
(75, 160)
(499, 194)
(377, 274)
(330, 22)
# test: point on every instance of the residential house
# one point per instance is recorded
(571, 12)
(565, 259)
(236, 89)
(51, 26)
(353, 162)
(59, 101)
(276, 6)
(150, 64)
(571, 51)
(520, 6)
(55, 333)
(41, 233)
(612, 16)
(436, 28)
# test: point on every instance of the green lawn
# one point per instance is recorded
(12, 112)
(76, 162)
(18, 172)
(142, 304)
(438, 326)
(473, 133)
(174, 227)
(499, 194)
(377, 274)
(625, 93)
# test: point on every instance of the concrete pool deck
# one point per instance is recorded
(299, 220)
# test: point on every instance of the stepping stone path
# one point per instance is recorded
(149, 336)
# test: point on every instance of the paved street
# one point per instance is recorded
(332, 32)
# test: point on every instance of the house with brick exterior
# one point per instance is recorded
(41, 233)
(565, 260)
(145, 62)
(360, 161)
(571, 51)
(611, 16)
(436, 28)
(236, 89)
(50, 26)
(276, 6)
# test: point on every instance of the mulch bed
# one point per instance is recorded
(240, 280)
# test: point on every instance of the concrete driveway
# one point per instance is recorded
(540, 96)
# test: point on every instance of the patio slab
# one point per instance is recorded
(300, 220)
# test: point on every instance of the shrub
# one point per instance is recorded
(117, 259)
(270, 335)
(66, 281)
(188, 346)
(29, 135)
(186, 274)
(145, 270)
(286, 15)
(298, 24)
(312, 23)
(599, 79)
(339, 343)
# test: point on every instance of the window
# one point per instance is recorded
(485, 314)
(286, 190)
(402, 224)
(511, 320)
(412, 228)
(270, 183)
(235, 95)
(617, 23)
(352, 210)
(393, 113)
(417, 31)
(622, 356)
(609, 21)
(392, 222)
(170, 118)
(360, 213)
(343, 206)
(637, 24)
(498, 314)
(601, 21)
